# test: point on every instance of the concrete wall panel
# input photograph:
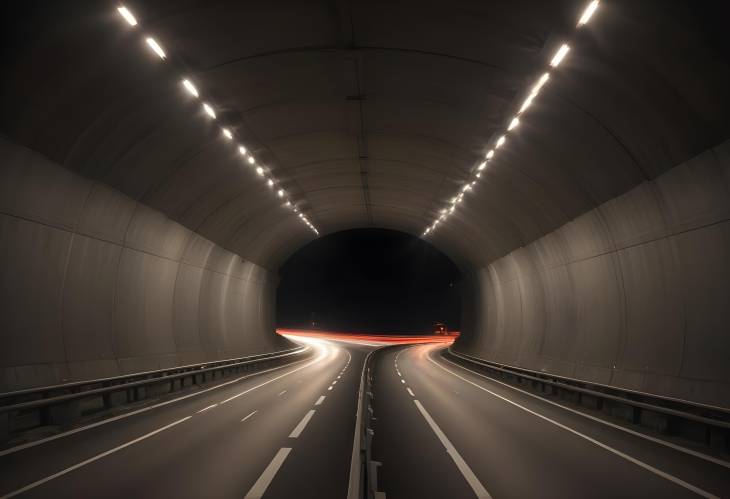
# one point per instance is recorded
(633, 293)
(95, 284)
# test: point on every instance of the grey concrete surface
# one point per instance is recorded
(632, 294)
(94, 284)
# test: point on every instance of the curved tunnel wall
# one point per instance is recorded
(96, 284)
(633, 293)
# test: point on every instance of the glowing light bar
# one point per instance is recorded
(209, 110)
(127, 15)
(260, 171)
(543, 79)
(482, 166)
(514, 123)
(500, 141)
(588, 12)
(242, 150)
(190, 88)
(490, 154)
(559, 55)
(156, 47)
(227, 133)
(527, 103)
(251, 160)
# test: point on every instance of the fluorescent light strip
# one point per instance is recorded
(557, 59)
(192, 90)
(560, 55)
(588, 13)
(127, 15)
(156, 47)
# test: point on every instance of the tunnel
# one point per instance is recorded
(157, 174)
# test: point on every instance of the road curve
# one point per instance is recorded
(443, 431)
(286, 432)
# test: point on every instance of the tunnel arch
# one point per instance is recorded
(375, 114)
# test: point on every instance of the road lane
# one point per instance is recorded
(518, 453)
(209, 453)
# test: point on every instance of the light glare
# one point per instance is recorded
(227, 133)
(270, 183)
(156, 47)
(500, 141)
(190, 88)
(559, 55)
(251, 160)
(127, 15)
(527, 103)
(543, 79)
(209, 110)
(242, 150)
(490, 154)
(513, 124)
(482, 166)
(260, 171)
(588, 12)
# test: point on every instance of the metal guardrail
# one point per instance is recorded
(61, 404)
(701, 422)
(363, 470)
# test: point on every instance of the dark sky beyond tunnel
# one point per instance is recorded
(369, 280)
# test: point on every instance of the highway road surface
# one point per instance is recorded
(441, 431)
(284, 433)
(445, 431)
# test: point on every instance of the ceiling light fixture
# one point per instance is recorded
(127, 15)
(514, 123)
(156, 47)
(227, 133)
(588, 13)
(559, 55)
(190, 88)
(208, 110)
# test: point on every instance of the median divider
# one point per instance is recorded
(363, 469)
(64, 404)
(700, 423)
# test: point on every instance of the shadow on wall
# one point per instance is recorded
(94, 284)
(632, 294)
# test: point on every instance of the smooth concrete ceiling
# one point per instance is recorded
(369, 113)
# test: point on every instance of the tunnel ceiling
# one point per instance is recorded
(367, 113)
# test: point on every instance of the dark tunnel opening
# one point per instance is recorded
(369, 280)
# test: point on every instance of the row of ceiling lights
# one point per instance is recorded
(513, 123)
(225, 132)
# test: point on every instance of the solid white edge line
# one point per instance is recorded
(302, 424)
(259, 488)
(91, 459)
(206, 408)
(671, 445)
(254, 412)
(411, 392)
(320, 400)
(648, 467)
(28, 445)
(464, 468)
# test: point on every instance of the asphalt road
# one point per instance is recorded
(284, 433)
(443, 431)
